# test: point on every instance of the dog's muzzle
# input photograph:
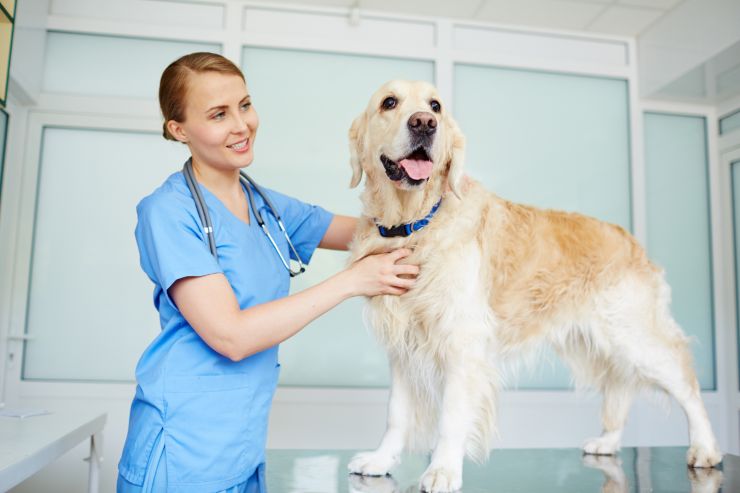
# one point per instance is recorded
(415, 168)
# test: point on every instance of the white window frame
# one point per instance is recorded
(729, 152)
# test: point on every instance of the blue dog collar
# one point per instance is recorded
(408, 228)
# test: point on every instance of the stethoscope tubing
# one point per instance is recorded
(205, 218)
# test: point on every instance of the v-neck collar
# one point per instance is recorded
(227, 211)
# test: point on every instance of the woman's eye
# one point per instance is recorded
(436, 107)
(389, 103)
(245, 106)
(219, 115)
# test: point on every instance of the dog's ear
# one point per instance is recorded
(455, 157)
(356, 137)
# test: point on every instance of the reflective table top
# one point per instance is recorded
(634, 470)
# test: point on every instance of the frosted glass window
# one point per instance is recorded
(735, 169)
(306, 102)
(548, 140)
(729, 123)
(679, 229)
(90, 310)
(92, 65)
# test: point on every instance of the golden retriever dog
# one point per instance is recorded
(498, 277)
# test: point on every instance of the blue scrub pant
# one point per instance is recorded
(155, 481)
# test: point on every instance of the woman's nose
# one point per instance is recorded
(240, 124)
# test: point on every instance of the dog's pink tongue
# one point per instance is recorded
(418, 170)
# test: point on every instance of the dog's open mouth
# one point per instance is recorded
(416, 167)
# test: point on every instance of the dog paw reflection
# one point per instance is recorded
(705, 480)
(615, 480)
(374, 484)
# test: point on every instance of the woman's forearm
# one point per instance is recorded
(263, 326)
(209, 305)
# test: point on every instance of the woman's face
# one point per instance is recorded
(220, 123)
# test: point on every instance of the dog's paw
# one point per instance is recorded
(371, 464)
(603, 445)
(703, 456)
(441, 480)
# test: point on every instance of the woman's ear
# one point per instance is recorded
(455, 156)
(356, 136)
(176, 130)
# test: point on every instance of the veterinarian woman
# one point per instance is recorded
(198, 420)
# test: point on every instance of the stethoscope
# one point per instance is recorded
(205, 218)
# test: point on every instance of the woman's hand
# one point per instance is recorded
(382, 274)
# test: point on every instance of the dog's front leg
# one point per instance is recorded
(444, 473)
(388, 454)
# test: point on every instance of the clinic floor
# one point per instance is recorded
(634, 470)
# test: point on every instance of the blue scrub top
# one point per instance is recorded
(210, 412)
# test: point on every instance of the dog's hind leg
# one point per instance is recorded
(660, 356)
(615, 406)
(669, 367)
(583, 349)
(380, 461)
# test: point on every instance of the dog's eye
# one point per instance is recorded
(436, 107)
(389, 103)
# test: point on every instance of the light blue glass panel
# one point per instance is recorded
(92, 65)
(306, 102)
(549, 140)
(729, 123)
(87, 293)
(735, 170)
(678, 226)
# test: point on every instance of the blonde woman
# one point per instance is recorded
(198, 420)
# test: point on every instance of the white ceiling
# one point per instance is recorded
(621, 17)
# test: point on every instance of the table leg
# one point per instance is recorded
(93, 481)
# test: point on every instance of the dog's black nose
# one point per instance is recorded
(422, 123)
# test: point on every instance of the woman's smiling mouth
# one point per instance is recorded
(241, 146)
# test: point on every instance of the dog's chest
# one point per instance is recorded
(448, 290)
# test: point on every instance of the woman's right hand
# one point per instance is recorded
(381, 274)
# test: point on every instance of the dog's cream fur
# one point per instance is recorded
(498, 277)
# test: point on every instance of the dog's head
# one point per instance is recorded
(406, 139)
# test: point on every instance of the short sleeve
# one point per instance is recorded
(306, 224)
(171, 243)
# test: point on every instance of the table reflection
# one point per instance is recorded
(634, 470)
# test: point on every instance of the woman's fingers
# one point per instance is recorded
(395, 291)
(403, 283)
(404, 275)
(384, 275)
(396, 255)
(408, 269)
